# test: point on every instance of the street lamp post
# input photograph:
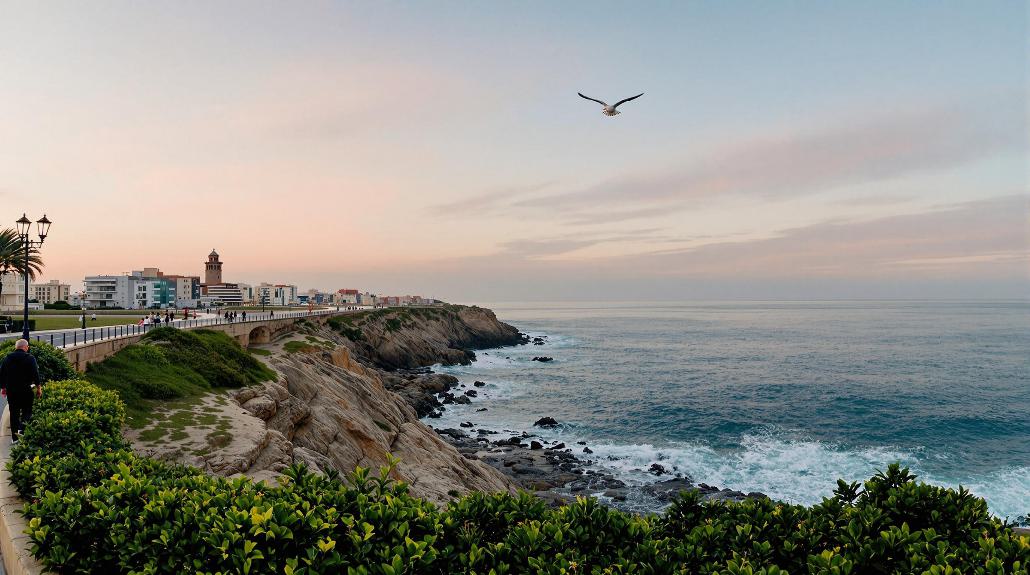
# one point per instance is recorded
(23, 230)
(82, 307)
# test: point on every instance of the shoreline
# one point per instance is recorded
(549, 468)
(557, 473)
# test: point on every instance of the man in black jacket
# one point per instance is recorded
(19, 382)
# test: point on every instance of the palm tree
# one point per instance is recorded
(12, 258)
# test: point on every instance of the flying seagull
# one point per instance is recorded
(610, 110)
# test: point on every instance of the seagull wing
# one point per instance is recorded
(592, 99)
(626, 100)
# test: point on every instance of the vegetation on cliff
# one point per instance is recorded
(169, 363)
(95, 507)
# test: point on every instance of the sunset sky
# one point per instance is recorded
(781, 149)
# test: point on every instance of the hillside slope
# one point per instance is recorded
(329, 410)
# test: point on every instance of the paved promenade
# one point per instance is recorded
(64, 338)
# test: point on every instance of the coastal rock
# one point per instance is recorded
(262, 407)
(546, 422)
(400, 339)
(479, 383)
(543, 359)
(535, 445)
(657, 469)
(669, 489)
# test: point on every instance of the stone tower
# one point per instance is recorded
(212, 269)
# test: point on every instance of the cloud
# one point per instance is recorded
(984, 238)
(489, 201)
(788, 162)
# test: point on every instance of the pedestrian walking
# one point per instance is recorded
(20, 384)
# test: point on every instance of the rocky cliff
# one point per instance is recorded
(406, 338)
(330, 408)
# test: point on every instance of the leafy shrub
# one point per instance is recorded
(53, 365)
(98, 508)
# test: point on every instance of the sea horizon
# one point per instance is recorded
(780, 397)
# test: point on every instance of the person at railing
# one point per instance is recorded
(19, 382)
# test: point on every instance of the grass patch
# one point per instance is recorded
(152, 435)
(259, 351)
(68, 322)
(170, 363)
(219, 438)
(297, 346)
(384, 426)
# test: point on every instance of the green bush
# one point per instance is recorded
(53, 365)
(345, 326)
(169, 363)
(95, 507)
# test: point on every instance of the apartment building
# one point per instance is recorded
(50, 292)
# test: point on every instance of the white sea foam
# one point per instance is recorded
(783, 466)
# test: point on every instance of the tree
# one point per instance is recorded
(12, 258)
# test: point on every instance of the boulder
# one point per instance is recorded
(546, 422)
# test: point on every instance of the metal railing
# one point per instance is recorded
(74, 337)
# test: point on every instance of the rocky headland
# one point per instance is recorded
(351, 392)
(330, 406)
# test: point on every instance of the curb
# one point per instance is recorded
(14, 543)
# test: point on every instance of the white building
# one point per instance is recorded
(365, 298)
(50, 292)
(223, 294)
(108, 291)
(248, 293)
(277, 294)
(13, 296)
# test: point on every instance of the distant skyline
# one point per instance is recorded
(781, 151)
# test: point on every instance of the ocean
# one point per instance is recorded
(778, 397)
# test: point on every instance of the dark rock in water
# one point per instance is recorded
(587, 450)
(535, 445)
(543, 359)
(538, 343)
(616, 494)
(757, 495)
(462, 400)
(581, 443)
(546, 422)
(479, 383)
(516, 440)
(435, 414)
(486, 432)
(455, 433)
(669, 489)
(481, 409)
(471, 393)
(559, 446)
(657, 469)
(466, 424)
